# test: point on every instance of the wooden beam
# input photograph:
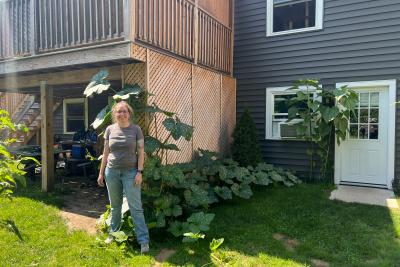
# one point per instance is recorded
(74, 57)
(46, 107)
(15, 82)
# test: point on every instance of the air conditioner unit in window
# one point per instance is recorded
(288, 130)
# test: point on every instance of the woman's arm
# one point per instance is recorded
(106, 152)
(140, 154)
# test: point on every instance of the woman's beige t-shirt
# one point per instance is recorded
(123, 145)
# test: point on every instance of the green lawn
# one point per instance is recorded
(334, 232)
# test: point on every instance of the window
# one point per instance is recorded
(364, 122)
(75, 115)
(291, 16)
(277, 107)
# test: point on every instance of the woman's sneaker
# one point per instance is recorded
(144, 248)
(109, 239)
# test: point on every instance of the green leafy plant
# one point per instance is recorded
(10, 174)
(176, 197)
(245, 148)
(321, 114)
(145, 114)
(216, 243)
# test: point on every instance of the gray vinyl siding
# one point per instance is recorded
(359, 42)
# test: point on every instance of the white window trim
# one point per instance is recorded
(319, 17)
(391, 85)
(72, 101)
(269, 107)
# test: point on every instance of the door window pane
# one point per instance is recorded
(364, 115)
(373, 131)
(364, 99)
(374, 99)
(353, 131)
(374, 115)
(354, 116)
(363, 132)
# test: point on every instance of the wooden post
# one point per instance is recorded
(129, 19)
(46, 112)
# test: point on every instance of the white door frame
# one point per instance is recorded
(391, 86)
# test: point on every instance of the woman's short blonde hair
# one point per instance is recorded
(119, 104)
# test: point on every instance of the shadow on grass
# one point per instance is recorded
(333, 232)
(73, 194)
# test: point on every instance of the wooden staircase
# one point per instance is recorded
(28, 113)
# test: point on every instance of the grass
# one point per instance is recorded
(338, 233)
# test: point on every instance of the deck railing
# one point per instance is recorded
(214, 43)
(15, 21)
(167, 24)
(29, 27)
(67, 23)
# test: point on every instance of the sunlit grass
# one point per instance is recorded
(337, 233)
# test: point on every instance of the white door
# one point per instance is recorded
(363, 155)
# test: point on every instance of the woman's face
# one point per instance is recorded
(122, 114)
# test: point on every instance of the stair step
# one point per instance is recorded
(35, 106)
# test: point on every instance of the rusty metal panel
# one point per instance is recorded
(228, 112)
(170, 82)
(206, 109)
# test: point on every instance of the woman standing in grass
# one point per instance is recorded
(122, 167)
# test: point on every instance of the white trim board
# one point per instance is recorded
(391, 86)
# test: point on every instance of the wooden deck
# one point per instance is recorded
(53, 34)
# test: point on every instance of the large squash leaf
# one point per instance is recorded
(98, 84)
(127, 92)
(103, 118)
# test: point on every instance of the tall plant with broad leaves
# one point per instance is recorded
(320, 116)
(176, 196)
(147, 114)
(10, 174)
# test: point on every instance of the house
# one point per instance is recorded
(179, 50)
(338, 42)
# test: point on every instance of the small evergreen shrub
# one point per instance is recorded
(245, 148)
(396, 186)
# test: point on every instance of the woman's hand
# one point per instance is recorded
(100, 180)
(138, 179)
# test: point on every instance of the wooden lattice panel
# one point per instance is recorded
(228, 112)
(170, 82)
(135, 73)
(139, 52)
(206, 109)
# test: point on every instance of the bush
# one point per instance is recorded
(245, 148)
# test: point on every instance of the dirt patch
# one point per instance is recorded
(163, 256)
(84, 202)
(290, 244)
(319, 263)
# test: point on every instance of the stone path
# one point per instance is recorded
(365, 195)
